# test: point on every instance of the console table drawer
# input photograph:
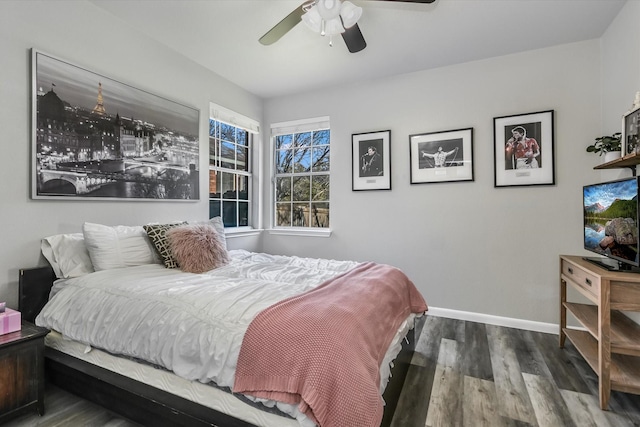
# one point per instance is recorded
(581, 278)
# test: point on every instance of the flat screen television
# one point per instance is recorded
(611, 224)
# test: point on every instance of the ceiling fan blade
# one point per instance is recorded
(409, 1)
(284, 26)
(354, 39)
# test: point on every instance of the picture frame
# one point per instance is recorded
(524, 149)
(630, 138)
(95, 138)
(371, 160)
(443, 156)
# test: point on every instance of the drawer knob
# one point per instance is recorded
(570, 270)
(587, 281)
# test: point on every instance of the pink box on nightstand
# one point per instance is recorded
(10, 321)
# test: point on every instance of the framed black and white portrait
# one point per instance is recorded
(523, 149)
(441, 156)
(371, 160)
(630, 132)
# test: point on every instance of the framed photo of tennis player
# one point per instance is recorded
(523, 149)
(371, 160)
(441, 156)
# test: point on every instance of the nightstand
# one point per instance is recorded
(22, 371)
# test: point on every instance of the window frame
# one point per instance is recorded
(291, 128)
(251, 127)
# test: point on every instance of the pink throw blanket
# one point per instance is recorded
(322, 350)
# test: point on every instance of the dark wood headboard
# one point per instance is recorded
(34, 287)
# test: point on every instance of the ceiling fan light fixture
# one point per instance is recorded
(350, 13)
(328, 9)
(330, 17)
(333, 27)
(313, 19)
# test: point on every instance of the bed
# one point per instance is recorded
(163, 346)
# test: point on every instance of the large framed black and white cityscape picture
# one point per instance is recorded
(523, 149)
(371, 160)
(96, 138)
(441, 156)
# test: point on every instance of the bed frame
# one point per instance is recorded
(145, 404)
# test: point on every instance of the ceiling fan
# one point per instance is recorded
(327, 17)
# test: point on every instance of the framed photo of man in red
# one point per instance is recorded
(523, 149)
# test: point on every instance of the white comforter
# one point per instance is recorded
(191, 324)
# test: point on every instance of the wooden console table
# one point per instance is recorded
(611, 342)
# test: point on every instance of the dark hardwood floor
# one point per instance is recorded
(463, 374)
(472, 374)
(64, 409)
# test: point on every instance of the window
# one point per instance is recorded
(301, 181)
(230, 174)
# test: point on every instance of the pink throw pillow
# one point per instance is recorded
(197, 248)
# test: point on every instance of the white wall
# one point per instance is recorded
(467, 245)
(620, 77)
(85, 35)
(620, 66)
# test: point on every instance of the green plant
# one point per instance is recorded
(605, 144)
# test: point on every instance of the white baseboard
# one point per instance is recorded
(509, 322)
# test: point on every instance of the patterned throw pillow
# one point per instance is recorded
(158, 235)
(197, 248)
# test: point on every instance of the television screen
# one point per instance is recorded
(611, 220)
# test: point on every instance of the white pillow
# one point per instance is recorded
(118, 246)
(67, 255)
(219, 226)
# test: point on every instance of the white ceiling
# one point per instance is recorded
(222, 35)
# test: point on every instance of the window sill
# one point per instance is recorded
(230, 233)
(310, 232)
